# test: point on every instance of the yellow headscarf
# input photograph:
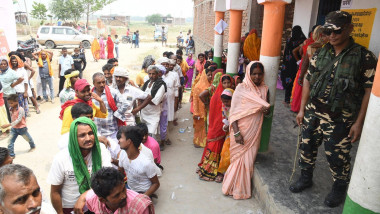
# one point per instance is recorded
(68, 76)
(41, 64)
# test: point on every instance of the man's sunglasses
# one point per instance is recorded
(328, 32)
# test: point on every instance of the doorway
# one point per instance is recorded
(325, 7)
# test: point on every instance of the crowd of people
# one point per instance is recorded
(113, 133)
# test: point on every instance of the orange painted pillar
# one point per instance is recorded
(220, 9)
(236, 8)
(273, 24)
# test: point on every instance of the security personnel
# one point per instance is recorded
(335, 97)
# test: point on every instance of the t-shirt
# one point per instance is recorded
(6, 79)
(20, 88)
(153, 145)
(116, 43)
(139, 171)
(62, 173)
(66, 95)
(140, 77)
(65, 63)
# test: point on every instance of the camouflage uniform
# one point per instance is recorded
(331, 111)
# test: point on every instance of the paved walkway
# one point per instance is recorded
(180, 180)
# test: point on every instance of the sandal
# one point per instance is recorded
(38, 111)
(219, 178)
(196, 146)
(168, 142)
(202, 178)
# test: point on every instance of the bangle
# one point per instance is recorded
(237, 134)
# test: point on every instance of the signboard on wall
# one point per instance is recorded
(362, 19)
(4, 48)
(346, 4)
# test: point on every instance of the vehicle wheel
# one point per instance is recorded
(124, 41)
(49, 44)
(86, 44)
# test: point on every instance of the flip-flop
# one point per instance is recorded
(219, 179)
(38, 111)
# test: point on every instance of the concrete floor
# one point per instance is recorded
(179, 178)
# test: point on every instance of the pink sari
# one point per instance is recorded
(246, 105)
(102, 48)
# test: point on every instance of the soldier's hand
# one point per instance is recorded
(299, 117)
(355, 132)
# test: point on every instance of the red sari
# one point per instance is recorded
(295, 103)
(110, 48)
(215, 137)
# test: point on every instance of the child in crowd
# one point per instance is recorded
(18, 125)
(151, 143)
(3, 115)
(5, 158)
(140, 171)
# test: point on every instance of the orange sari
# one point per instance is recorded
(95, 49)
(199, 110)
(246, 105)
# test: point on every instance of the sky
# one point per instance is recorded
(177, 8)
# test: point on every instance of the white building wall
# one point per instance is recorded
(305, 14)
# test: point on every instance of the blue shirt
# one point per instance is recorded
(7, 78)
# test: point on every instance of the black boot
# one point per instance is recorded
(304, 181)
(337, 194)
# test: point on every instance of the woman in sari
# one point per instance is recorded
(251, 46)
(316, 37)
(225, 154)
(190, 72)
(196, 80)
(95, 49)
(289, 67)
(200, 113)
(102, 48)
(208, 167)
(110, 48)
(249, 104)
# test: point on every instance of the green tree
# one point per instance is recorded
(154, 18)
(39, 12)
(67, 9)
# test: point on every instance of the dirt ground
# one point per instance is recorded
(180, 192)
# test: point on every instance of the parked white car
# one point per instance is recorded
(52, 36)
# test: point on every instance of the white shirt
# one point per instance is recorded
(151, 113)
(139, 171)
(65, 63)
(172, 84)
(130, 94)
(20, 88)
(178, 69)
(62, 173)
